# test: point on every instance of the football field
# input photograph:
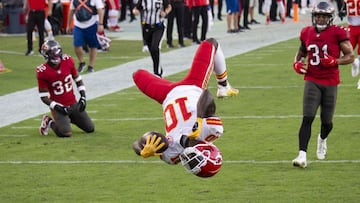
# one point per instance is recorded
(260, 140)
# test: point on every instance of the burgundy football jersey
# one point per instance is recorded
(58, 82)
(319, 44)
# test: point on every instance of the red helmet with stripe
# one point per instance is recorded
(203, 160)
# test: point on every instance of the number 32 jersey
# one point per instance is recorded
(59, 82)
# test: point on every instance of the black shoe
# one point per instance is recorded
(219, 17)
(196, 42)
(132, 19)
(90, 69)
(247, 28)
(170, 46)
(253, 21)
(160, 73)
(182, 45)
(29, 53)
(81, 67)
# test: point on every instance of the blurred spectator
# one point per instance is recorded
(219, 8)
(252, 5)
(199, 8)
(279, 4)
(260, 7)
(239, 15)
(245, 11)
(177, 12)
(85, 30)
(188, 19)
(113, 15)
(48, 31)
(232, 10)
(127, 4)
(220, 5)
(289, 5)
(36, 17)
(57, 17)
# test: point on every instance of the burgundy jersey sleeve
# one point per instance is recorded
(41, 77)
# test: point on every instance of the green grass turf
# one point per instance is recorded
(259, 142)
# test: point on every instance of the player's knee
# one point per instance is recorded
(90, 129)
(64, 134)
(307, 120)
(213, 41)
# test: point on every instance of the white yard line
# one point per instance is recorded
(65, 162)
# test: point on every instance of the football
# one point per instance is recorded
(153, 133)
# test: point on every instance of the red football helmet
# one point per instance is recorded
(203, 160)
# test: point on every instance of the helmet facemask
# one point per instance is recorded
(192, 159)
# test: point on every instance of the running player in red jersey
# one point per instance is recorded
(326, 46)
(55, 79)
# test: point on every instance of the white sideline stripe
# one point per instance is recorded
(157, 162)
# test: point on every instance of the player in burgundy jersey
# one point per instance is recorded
(188, 107)
(326, 46)
(55, 79)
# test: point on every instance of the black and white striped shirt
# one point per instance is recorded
(151, 10)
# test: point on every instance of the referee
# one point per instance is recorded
(153, 15)
(35, 10)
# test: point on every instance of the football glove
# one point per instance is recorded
(328, 61)
(152, 146)
(196, 129)
(299, 67)
(82, 104)
(64, 110)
